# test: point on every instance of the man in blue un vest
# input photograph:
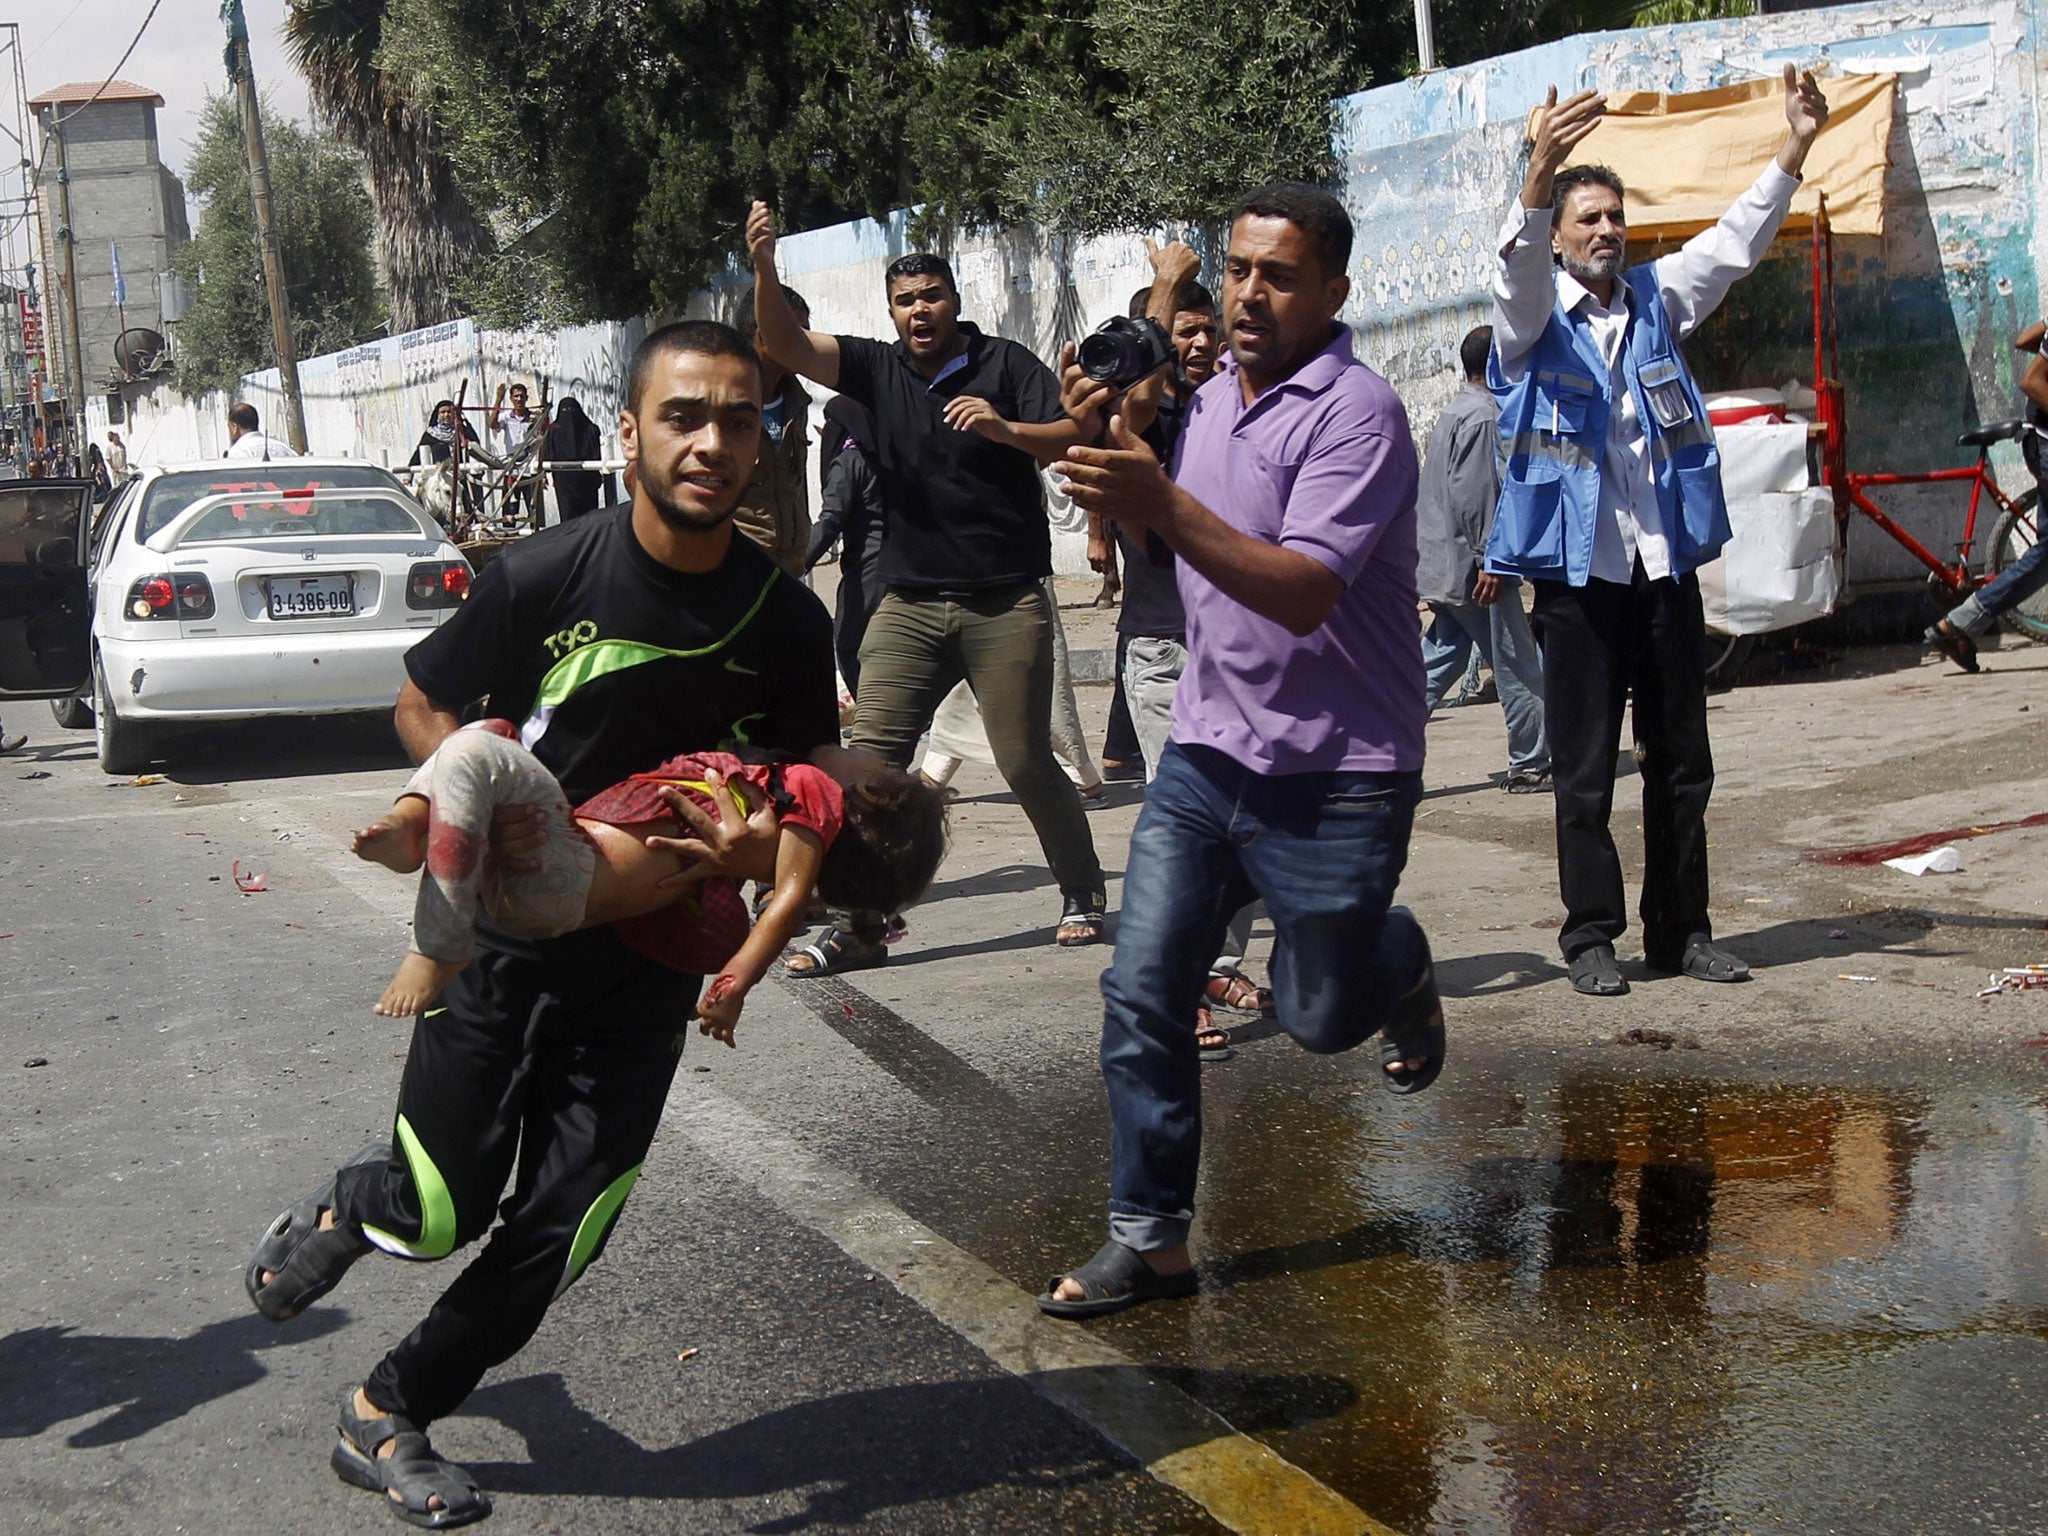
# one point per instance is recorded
(1611, 500)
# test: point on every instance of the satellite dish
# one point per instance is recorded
(140, 353)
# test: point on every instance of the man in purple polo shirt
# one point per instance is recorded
(1295, 759)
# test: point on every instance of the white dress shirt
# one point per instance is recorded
(513, 431)
(258, 445)
(1693, 280)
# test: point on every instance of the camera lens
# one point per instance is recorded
(1102, 355)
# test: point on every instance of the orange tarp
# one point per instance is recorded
(1684, 159)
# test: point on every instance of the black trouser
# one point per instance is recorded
(565, 1063)
(1120, 740)
(1601, 641)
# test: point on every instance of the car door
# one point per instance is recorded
(45, 611)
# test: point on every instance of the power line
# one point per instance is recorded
(116, 70)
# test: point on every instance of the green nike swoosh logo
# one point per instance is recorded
(733, 666)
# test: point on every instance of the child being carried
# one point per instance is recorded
(863, 833)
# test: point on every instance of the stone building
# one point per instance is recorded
(121, 194)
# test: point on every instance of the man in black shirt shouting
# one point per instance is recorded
(616, 641)
(962, 422)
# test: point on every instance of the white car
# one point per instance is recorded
(225, 590)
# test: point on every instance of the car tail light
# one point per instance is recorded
(186, 595)
(437, 584)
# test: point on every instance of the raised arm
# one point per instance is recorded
(1523, 290)
(814, 354)
(1695, 278)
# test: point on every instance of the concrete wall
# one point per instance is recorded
(1431, 164)
(1429, 167)
(373, 401)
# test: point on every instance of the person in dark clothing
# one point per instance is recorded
(616, 641)
(444, 425)
(573, 438)
(851, 516)
(963, 421)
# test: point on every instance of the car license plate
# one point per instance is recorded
(311, 597)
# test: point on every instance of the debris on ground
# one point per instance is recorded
(37, 1061)
(1662, 1039)
(2015, 978)
(1845, 976)
(252, 882)
(1937, 861)
(146, 780)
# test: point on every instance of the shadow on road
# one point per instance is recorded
(56, 1373)
(855, 1454)
(238, 752)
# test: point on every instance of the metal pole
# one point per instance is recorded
(67, 239)
(1425, 37)
(266, 224)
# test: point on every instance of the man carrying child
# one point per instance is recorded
(614, 642)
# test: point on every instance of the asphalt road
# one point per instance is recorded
(1773, 1261)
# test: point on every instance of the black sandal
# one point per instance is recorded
(1114, 1279)
(1415, 1030)
(303, 1261)
(1953, 643)
(836, 950)
(1086, 910)
(413, 1471)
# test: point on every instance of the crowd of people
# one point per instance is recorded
(1279, 536)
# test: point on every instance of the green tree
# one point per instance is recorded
(325, 236)
(1192, 104)
(428, 237)
(617, 142)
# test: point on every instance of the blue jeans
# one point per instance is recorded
(1325, 851)
(2011, 587)
(1502, 636)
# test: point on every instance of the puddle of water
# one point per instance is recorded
(1620, 1305)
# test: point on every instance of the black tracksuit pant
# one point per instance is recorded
(561, 1066)
(1601, 641)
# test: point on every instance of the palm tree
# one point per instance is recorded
(427, 233)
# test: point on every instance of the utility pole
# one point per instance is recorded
(1425, 38)
(68, 242)
(266, 221)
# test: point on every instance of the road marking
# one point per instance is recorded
(1244, 1484)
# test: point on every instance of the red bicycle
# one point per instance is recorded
(2011, 536)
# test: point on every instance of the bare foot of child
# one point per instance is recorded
(399, 841)
(419, 981)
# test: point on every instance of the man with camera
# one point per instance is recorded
(1295, 759)
(961, 423)
(1610, 502)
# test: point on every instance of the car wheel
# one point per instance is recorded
(124, 746)
(74, 714)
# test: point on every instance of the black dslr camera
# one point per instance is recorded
(1125, 350)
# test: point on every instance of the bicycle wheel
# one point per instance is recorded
(1725, 657)
(2013, 537)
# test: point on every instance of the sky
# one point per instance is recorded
(179, 57)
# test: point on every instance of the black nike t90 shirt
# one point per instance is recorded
(610, 662)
